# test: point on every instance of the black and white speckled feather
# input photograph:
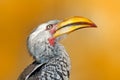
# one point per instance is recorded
(56, 68)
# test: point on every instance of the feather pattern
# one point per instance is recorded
(57, 68)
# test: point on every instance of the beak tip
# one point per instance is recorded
(94, 25)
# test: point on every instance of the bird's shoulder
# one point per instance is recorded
(56, 69)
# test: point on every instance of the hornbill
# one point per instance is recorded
(51, 59)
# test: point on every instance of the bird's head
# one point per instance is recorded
(49, 33)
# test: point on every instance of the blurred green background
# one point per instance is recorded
(95, 53)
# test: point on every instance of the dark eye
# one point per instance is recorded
(50, 26)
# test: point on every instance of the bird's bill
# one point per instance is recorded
(72, 24)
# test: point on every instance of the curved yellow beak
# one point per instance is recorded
(71, 24)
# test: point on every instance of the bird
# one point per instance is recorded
(51, 60)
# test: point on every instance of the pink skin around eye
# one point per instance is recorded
(52, 39)
(53, 30)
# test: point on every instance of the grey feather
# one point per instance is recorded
(51, 62)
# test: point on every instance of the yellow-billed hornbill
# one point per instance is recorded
(51, 59)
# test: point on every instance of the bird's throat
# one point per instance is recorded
(51, 41)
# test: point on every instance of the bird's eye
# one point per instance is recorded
(50, 26)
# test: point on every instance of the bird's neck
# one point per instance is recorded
(45, 53)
